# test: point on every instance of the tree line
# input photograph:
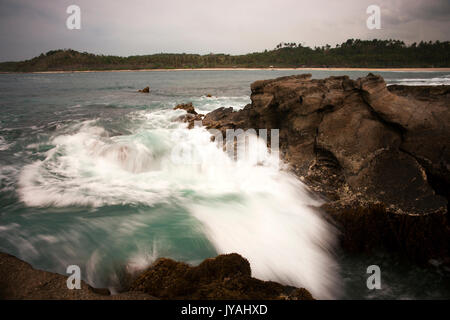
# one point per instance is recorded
(352, 53)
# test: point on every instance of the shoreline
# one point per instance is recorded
(243, 69)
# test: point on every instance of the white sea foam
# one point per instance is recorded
(206, 104)
(244, 206)
(4, 145)
(142, 259)
(436, 81)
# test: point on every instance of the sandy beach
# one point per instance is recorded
(244, 69)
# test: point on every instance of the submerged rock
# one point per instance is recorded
(224, 277)
(379, 155)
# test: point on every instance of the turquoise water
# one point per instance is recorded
(87, 177)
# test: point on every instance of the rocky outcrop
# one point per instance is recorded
(145, 90)
(379, 155)
(224, 277)
(188, 107)
(19, 280)
(191, 115)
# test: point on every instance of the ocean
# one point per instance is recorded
(87, 178)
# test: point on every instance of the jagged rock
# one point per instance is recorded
(226, 118)
(224, 277)
(19, 280)
(191, 115)
(145, 90)
(186, 106)
(362, 145)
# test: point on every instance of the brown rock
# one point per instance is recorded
(191, 115)
(360, 144)
(18, 280)
(224, 277)
(145, 90)
(188, 107)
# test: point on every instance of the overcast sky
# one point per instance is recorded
(30, 27)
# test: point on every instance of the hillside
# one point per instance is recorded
(352, 53)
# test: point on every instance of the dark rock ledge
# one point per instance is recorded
(19, 280)
(191, 115)
(379, 155)
(224, 277)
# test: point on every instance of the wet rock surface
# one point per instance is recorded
(19, 280)
(191, 116)
(224, 277)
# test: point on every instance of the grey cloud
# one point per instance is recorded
(29, 27)
(402, 11)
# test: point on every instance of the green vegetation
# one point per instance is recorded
(352, 53)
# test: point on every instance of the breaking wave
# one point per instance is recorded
(247, 206)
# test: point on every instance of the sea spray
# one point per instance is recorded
(269, 217)
(248, 205)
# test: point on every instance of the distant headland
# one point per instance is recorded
(359, 54)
